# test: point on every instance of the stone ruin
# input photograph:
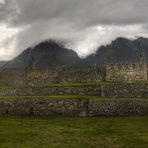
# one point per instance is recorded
(111, 72)
(127, 71)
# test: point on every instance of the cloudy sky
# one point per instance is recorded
(82, 25)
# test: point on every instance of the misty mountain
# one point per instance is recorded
(2, 63)
(46, 54)
(121, 49)
(50, 53)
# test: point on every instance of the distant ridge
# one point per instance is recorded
(2, 63)
(49, 53)
(121, 49)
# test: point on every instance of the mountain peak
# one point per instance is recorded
(121, 40)
(50, 53)
(142, 39)
(51, 43)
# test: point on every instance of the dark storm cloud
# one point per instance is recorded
(4, 12)
(81, 12)
(8, 10)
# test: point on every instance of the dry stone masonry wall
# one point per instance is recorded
(51, 75)
(102, 90)
(73, 107)
(126, 71)
(76, 106)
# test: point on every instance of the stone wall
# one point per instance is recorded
(118, 107)
(51, 75)
(12, 77)
(125, 90)
(127, 71)
(102, 90)
(64, 75)
(73, 107)
(28, 91)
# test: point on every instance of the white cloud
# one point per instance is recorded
(7, 41)
(87, 41)
(83, 41)
(2, 1)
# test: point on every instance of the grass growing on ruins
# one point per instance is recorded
(73, 132)
(69, 84)
(84, 84)
(74, 84)
(67, 97)
(58, 85)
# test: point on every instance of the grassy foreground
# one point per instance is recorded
(73, 132)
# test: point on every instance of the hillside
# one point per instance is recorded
(47, 54)
(121, 49)
(50, 53)
(2, 63)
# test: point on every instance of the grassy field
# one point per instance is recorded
(73, 132)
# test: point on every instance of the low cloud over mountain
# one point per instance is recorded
(49, 53)
(82, 25)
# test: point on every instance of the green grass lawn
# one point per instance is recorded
(73, 132)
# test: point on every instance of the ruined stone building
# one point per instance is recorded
(60, 74)
(112, 72)
(127, 71)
